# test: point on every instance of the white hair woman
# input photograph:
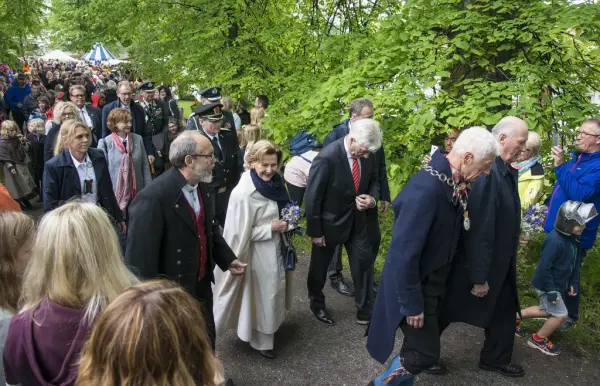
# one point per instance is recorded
(76, 271)
(63, 111)
(531, 171)
(256, 305)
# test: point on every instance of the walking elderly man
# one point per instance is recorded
(578, 180)
(429, 213)
(482, 286)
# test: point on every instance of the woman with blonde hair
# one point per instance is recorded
(153, 334)
(255, 304)
(252, 134)
(17, 232)
(531, 171)
(63, 111)
(77, 271)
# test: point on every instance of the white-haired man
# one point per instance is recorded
(429, 213)
(343, 183)
(482, 288)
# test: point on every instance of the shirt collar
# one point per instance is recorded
(188, 188)
(77, 163)
(347, 148)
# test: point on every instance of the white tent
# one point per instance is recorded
(59, 55)
(114, 62)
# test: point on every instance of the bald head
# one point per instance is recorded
(511, 134)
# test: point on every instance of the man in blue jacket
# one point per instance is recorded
(429, 213)
(15, 97)
(359, 109)
(577, 180)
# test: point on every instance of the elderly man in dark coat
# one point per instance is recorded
(429, 213)
(171, 228)
(482, 288)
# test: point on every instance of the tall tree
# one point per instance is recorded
(21, 23)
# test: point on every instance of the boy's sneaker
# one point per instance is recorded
(519, 332)
(544, 346)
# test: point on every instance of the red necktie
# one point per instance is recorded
(355, 174)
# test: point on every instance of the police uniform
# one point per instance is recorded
(156, 122)
(213, 95)
(226, 173)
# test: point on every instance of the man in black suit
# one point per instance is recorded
(226, 173)
(171, 228)
(90, 115)
(343, 183)
(157, 123)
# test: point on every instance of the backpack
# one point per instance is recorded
(303, 142)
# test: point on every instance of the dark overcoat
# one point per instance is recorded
(427, 223)
(162, 239)
(488, 252)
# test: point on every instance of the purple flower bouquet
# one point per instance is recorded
(533, 219)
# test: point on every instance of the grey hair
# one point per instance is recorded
(477, 141)
(357, 106)
(508, 126)
(534, 142)
(111, 85)
(594, 121)
(125, 83)
(185, 144)
(367, 132)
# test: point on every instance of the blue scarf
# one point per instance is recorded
(273, 190)
(528, 164)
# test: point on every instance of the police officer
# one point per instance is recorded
(213, 95)
(225, 172)
(157, 123)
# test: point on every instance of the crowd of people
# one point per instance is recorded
(162, 233)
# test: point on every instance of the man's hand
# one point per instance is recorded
(159, 154)
(416, 321)
(559, 156)
(151, 159)
(319, 241)
(384, 206)
(19, 105)
(237, 268)
(364, 202)
(480, 290)
(572, 292)
(122, 227)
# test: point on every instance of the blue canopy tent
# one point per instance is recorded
(98, 54)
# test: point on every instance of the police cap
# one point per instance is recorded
(212, 112)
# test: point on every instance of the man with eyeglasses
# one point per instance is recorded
(90, 115)
(578, 180)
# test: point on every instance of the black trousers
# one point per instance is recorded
(361, 259)
(421, 346)
(296, 193)
(204, 295)
(500, 334)
(20, 120)
(336, 266)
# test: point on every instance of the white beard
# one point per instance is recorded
(206, 179)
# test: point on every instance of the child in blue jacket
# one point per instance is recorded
(557, 273)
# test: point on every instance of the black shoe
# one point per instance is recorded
(437, 369)
(269, 354)
(342, 288)
(324, 317)
(363, 318)
(509, 370)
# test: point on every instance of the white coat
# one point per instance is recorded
(258, 299)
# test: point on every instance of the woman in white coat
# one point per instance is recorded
(255, 303)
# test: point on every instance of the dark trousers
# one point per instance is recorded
(296, 193)
(204, 295)
(360, 257)
(336, 266)
(421, 346)
(572, 302)
(19, 120)
(500, 333)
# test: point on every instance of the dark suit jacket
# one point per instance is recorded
(162, 239)
(96, 116)
(138, 125)
(226, 172)
(340, 131)
(427, 226)
(61, 182)
(49, 142)
(330, 196)
(488, 251)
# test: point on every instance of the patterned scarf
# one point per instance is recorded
(125, 190)
(528, 164)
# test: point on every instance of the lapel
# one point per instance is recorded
(206, 202)
(345, 162)
(69, 171)
(223, 147)
(97, 163)
(365, 172)
(181, 205)
(440, 163)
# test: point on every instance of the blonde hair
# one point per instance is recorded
(227, 102)
(257, 115)
(252, 134)
(16, 230)
(76, 261)
(257, 151)
(153, 334)
(240, 137)
(534, 142)
(59, 109)
(37, 126)
(67, 132)
(9, 129)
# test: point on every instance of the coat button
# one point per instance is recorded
(179, 251)
(176, 206)
(180, 276)
(178, 262)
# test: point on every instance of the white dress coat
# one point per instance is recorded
(258, 299)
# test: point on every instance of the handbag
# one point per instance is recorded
(288, 251)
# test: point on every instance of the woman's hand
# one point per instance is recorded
(278, 226)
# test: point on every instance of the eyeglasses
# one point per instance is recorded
(77, 96)
(588, 134)
(203, 155)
